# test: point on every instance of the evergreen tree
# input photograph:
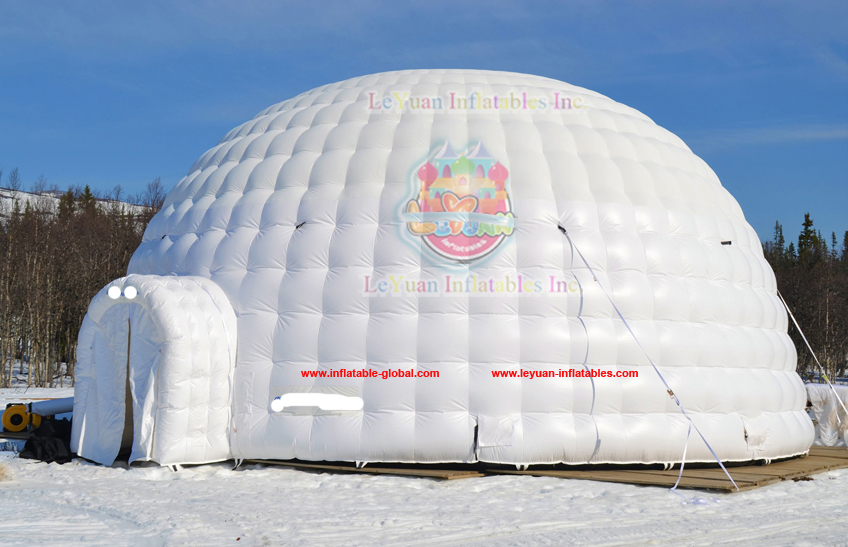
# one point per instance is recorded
(814, 281)
(87, 202)
(845, 248)
(779, 240)
(67, 205)
(809, 242)
(775, 250)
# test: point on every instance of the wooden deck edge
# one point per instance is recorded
(830, 451)
(444, 474)
(822, 460)
(819, 460)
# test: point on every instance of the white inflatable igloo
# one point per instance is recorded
(410, 221)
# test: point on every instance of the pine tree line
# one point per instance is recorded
(813, 278)
(57, 249)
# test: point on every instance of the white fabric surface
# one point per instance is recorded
(182, 338)
(294, 209)
(831, 420)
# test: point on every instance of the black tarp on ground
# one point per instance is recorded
(50, 443)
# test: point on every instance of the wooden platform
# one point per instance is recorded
(747, 477)
(425, 471)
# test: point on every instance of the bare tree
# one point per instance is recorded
(55, 254)
(13, 183)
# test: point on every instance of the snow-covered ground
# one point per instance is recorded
(82, 503)
(23, 394)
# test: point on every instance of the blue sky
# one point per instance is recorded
(111, 92)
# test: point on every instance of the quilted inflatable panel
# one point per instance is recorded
(410, 221)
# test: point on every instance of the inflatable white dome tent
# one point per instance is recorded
(377, 270)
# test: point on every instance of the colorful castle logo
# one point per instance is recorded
(462, 208)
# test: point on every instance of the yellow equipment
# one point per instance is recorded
(16, 418)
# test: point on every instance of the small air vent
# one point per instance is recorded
(727, 243)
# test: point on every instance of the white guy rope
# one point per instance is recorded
(667, 387)
(809, 347)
